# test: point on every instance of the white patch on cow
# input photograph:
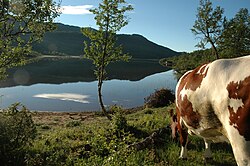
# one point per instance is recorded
(177, 86)
(235, 104)
(204, 71)
(183, 92)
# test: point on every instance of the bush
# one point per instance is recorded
(119, 121)
(73, 123)
(45, 127)
(17, 130)
(159, 98)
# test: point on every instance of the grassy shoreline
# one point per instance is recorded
(138, 136)
(88, 138)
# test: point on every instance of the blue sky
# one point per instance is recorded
(165, 22)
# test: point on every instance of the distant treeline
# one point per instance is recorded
(189, 61)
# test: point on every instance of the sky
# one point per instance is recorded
(164, 22)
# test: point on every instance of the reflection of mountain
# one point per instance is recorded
(68, 40)
(49, 70)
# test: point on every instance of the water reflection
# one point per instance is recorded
(65, 97)
(49, 70)
(82, 96)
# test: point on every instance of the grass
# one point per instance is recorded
(90, 139)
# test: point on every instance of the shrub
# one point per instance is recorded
(45, 127)
(148, 111)
(73, 123)
(159, 98)
(17, 130)
(119, 121)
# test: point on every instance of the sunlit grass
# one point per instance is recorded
(93, 142)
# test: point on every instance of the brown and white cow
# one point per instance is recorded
(213, 102)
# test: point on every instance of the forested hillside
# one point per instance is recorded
(68, 40)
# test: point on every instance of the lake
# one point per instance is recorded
(74, 96)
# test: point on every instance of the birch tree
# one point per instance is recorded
(102, 49)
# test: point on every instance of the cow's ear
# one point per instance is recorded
(171, 113)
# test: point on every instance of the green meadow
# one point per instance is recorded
(87, 138)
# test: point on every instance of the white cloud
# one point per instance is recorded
(66, 97)
(83, 9)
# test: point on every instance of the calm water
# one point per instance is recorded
(82, 96)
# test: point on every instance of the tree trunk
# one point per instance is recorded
(101, 101)
(101, 73)
(214, 49)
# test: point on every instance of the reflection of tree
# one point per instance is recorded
(1, 100)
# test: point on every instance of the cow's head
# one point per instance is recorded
(173, 124)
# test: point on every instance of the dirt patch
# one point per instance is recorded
(59, 118)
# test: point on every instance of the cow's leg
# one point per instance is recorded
(207, 152)
(183, 141)
(183, 135)
(240, 147)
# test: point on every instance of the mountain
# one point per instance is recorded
(68, 40)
